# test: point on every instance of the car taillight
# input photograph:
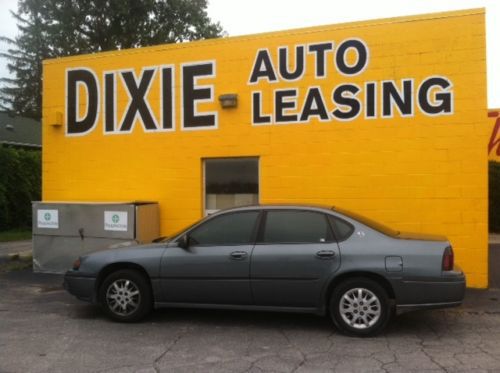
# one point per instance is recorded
(448, 259)
(76, 264)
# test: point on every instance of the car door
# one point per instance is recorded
(294, 255)
(215, 268)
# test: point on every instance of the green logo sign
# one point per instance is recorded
(115, 218)
(47, 216)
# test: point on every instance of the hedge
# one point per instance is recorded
(494, 197)
(20, 183)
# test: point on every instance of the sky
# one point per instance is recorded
(240, 17)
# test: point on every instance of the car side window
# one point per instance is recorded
(296, 227)
(342, 229)
(234, 228)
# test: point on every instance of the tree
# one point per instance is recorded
(20, 173)
(57, 28)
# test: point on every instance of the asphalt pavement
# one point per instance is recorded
(44, 329)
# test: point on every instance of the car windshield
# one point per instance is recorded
(176, 234)
(368, 222)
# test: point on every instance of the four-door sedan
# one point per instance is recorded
(288, 258)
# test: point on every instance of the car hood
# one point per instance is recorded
(420, 236)
(126, 250)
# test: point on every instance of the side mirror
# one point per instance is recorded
(184, 241)
(159, 239)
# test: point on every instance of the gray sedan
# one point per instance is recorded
(277, 258)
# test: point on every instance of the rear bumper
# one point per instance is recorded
(401, 308)
(81, 286)
(447, 291)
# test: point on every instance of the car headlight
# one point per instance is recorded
(76, 264)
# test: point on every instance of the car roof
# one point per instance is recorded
(279, 206)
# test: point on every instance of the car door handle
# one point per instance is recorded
(325, 254)
(238, 255)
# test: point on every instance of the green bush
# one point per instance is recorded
(20, 183)
(494, 197)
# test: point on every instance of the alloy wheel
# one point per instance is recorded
(123, 297)
(360, 308)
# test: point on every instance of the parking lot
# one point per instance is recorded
(44, 329)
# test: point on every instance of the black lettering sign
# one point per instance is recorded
(167, 98)
(283, 57)
(282, 103)
(341, 57)
(109, 102)
(442, 102)
(263, 68)
(314, 105)
(77, 125)
(391, 96)
(138, 105)
(320, 50)
(257, 116)
(370, 99)
(191, 94)
(350, 101)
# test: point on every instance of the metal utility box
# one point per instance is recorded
(62, 231)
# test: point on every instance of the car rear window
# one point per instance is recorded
(342, 229)
(290, 226)
(368, 222)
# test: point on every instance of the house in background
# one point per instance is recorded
(20, 132)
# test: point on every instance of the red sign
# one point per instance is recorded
(495, 136)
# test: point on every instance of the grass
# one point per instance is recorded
(15, 235)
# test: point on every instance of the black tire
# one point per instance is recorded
(360, 307)
(126, 296)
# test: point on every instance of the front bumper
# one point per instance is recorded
(80, 285)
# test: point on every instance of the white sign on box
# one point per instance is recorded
(116, 221)
(47, 219)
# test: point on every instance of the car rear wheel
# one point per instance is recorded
(126, 296)
(360, 307)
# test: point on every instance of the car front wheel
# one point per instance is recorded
(360, 307)
(126, 296)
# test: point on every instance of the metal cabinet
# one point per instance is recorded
(62, 231)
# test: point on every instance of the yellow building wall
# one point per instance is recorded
(421, 173)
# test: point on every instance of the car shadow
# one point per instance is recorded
(232, 318)
(86, 312)
(430, 322)
(408, 323)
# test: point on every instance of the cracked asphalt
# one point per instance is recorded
(44, 329)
